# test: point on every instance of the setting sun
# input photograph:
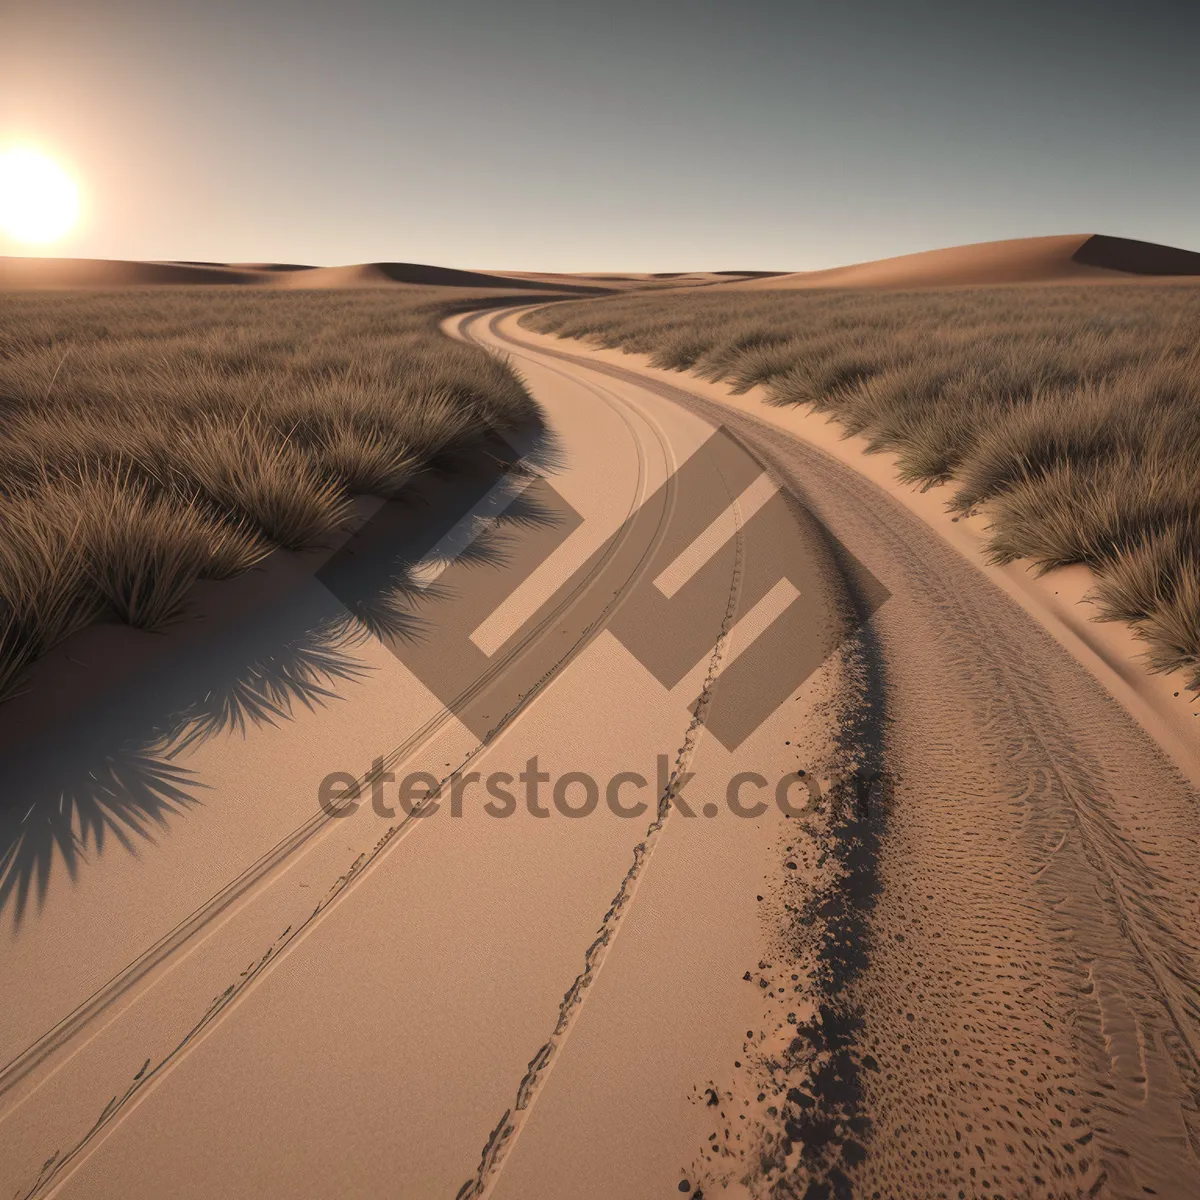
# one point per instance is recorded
(39, 201)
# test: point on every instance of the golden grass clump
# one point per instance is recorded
(149, 439)
(1071, 412)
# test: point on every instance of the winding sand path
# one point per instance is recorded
(966, 964)
(235, 994)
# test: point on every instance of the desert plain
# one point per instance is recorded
(528, 735)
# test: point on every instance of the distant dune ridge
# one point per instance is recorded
(27, 273)
(271, 266)
(113, 273)
(382, 273)
(1065, 258)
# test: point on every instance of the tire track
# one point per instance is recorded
(55, 1166)
(507, 1131)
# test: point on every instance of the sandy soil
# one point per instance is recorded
(964, 965)
(258, 1001)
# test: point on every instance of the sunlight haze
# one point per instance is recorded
(617, 136)
(39, 202)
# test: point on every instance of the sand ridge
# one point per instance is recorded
(1062, 258)
(1066, 258)
(22, 273)
(383, 273)
(36, 273)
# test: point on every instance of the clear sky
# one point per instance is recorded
(614, 135)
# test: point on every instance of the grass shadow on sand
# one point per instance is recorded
(94, 752)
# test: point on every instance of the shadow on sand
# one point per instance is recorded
(88, 754)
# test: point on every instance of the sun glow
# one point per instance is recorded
(39, 201)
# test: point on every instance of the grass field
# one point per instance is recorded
(150, 439)
(1072, 413)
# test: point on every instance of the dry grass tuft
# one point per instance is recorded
(152, 438)
(265, 480)
(1073, 413)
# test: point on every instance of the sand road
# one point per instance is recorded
(963, 963)
(212, 987)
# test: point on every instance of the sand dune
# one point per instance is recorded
(614, 281)
(1137, 258)
(630, 280)
(375, 274)
(116, 273)
(706, 275)
(1067, 258)
(27, 273)
(268, 266)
